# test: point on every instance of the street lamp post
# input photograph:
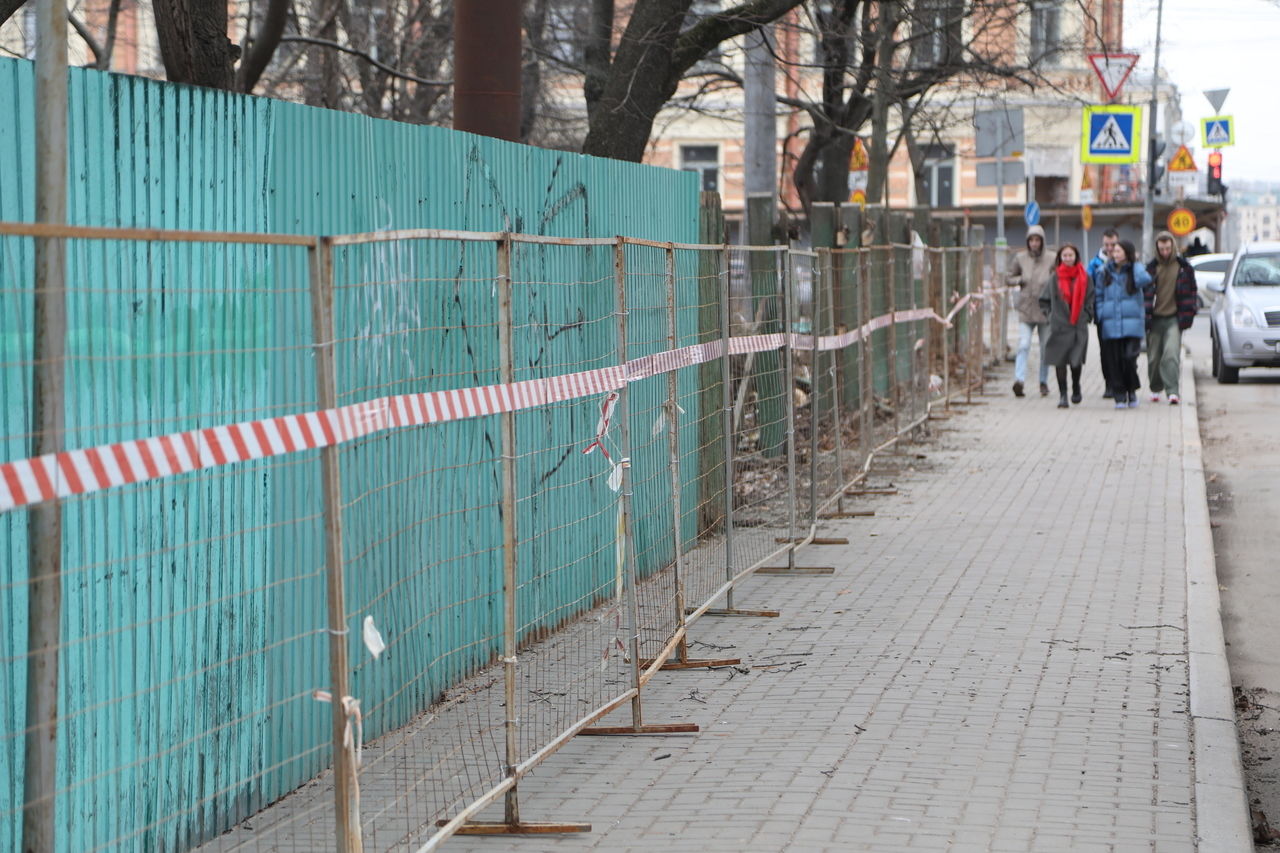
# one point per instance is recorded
(1149, 202)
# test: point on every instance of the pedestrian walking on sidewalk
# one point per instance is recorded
(1068, 303)
(1120, 306)
(1171, 309)
(1109, 239)
(1030, 271)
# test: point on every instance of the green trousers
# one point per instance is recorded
(1164, 355)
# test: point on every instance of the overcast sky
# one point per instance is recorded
(1220, 44)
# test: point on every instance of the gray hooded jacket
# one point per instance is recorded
(1031, 273)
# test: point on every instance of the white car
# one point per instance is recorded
(1246, 315)
(1210, 270)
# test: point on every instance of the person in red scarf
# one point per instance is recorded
(1067, 301)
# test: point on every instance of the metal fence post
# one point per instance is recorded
(44, 521)
(894, 391)
(815, 387)
(946, 337)
(673, 449)
(510, 541)
(346, 790)
(866, 359)
(726, 366)
(628, 519)
(829, 279)
(786, 294)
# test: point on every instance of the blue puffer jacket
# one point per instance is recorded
(1119, 313)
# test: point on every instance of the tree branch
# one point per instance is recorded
(333, 45)
(697, 41)
(8, 7)
(262, 45)
(83, 32)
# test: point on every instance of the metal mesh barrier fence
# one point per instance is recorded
(356, 531)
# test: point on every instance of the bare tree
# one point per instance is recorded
(626, 87)
(876, 58)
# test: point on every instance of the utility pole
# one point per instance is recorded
(1149, 202)
(486, 79)
(761, 142)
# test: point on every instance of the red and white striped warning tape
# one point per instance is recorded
(77, 472)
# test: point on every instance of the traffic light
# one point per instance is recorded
(1155, 169)
(1215, 174)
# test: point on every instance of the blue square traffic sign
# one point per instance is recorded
(1108, 134)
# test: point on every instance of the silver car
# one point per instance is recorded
(1210, 269)
(1246, 314)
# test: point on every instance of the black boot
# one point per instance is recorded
(1062, 401)
(1075, 385)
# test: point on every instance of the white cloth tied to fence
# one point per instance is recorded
(350, 707)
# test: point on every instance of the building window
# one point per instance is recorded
(939, 176)
(705, 160)
(935, 32)
(1046, 31)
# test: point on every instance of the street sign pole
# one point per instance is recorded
(1149, 201)
(1002, 245)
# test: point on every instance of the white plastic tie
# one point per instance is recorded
(350, 707)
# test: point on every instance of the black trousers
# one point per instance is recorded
(1108, 375)
(1120, 362)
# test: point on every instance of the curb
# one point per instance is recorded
(1221, 799)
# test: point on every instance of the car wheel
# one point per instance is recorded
(1216, 361)
(1227, 375)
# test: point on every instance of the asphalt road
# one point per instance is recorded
(1238, 424)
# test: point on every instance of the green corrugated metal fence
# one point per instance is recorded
(169, 337)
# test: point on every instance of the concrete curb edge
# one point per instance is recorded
(1221, 798)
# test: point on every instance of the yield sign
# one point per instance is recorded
(1113, 69)
(1182, 161)
(1217, 97)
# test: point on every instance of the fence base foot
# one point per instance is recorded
(498, 827)
(692, 663)
(645, 729)
(855, 492)
(723, 611)
(798, 570)
(861, 513)
(840, 540)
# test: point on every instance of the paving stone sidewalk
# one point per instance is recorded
(999, 663)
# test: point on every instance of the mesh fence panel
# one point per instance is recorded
(537, 459)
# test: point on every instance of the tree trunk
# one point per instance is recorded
(639, 83)
(194, 44)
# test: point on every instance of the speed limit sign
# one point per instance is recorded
(1181, 221)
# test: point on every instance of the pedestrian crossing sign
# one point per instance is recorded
(1109, 134)
(1218, 131)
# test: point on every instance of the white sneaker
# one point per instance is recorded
(1155, 398)
(1173, 400)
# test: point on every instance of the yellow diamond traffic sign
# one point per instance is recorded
(1182, 161)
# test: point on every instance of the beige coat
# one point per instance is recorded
(1031, 273)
